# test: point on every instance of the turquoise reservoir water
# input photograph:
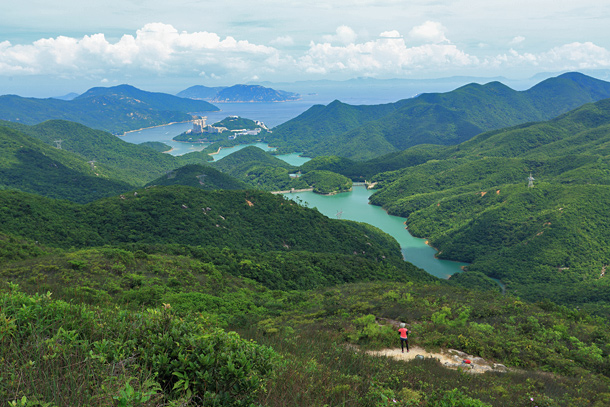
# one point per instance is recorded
(294, 159)
(165, 134)
(354, 206)
(225, 151)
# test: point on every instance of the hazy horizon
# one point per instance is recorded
(54, 48)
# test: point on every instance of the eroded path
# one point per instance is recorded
(451, 359)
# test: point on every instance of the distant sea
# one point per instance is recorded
(354, 92)
(272, 114)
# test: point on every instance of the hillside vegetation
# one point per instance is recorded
(29, 165)
(196, 291)
(199, 176)
(473, 203)
(189, 216)
(154, 327)
(115, 109)
(365, 132)
(113, 157)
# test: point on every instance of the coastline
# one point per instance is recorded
(236, 145)
(153, 127)
(292, 191)
(218, 152)
(255, 101)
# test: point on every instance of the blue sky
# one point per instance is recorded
(160, 45)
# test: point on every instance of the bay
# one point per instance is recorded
(351, 205)
(354, 206)
(165, 134)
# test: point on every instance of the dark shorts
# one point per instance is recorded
(404, 339)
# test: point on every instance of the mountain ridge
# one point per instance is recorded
(115, 109)
(436, 118)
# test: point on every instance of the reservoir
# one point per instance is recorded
(349, 205)
(354, 206)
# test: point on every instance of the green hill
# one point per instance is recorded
(326, 182)
(133, 325)
(155, 100)
(116, 109)
(115, 158)
(157, 146)
(27, 164)
(440, 118)
(259, 169)
(472, 202)
(199, 176)
(189, 216)
(319, 123)
(246, 156)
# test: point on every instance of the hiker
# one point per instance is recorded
(404, 337)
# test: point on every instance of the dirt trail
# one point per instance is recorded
(413, 352)
(451, 359)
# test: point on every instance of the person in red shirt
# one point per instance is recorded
(404, 337)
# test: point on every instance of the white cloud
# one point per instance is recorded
(387, 55)
(284, 41)
(429, 32)
(390, 34)
(159, 49)
(578, 55)
(573, 56)
(156, 47)
(343, 35)
(517, 40)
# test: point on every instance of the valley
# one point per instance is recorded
(145, 271)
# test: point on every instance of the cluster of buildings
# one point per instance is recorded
(200, 127)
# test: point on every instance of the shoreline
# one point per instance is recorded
(292, 191)
(153, 127)
(442, 272)
(237, 145)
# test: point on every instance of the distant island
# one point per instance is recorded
(238, 94)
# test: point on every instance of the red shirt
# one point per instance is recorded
(403, 332)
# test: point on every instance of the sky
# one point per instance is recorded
(72, 45)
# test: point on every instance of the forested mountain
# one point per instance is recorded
(112, 157)
(320, 123)
(233, 163)
(29, 165)
(190, 216)
(259, 169)
(115, 109)
(436, 118)
(154, 100)
(473, 203)
(181, 295)
(199, 176)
